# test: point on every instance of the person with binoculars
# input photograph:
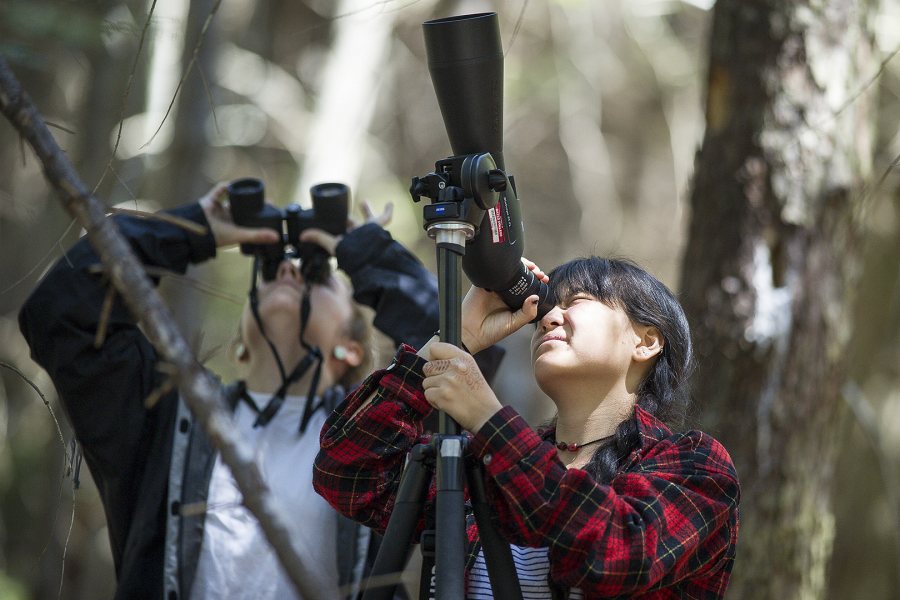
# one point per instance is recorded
(607, 501)
(176, 523)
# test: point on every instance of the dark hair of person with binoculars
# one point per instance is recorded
(607, 501)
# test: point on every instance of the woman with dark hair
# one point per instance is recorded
(607, 502)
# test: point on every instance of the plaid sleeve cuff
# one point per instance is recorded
(403, 379)
(503, 440)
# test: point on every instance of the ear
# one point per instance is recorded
(649, 343)
(353, 353)
(240, 352)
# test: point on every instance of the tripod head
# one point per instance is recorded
(461, 188)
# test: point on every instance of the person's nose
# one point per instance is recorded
(554, 318)
(288, 270)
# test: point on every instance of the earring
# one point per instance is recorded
(339, 352)
(240, 351)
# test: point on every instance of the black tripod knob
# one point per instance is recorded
(497, 180)
(417, 189)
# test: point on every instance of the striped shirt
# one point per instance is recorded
(532, 569)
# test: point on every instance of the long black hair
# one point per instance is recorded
(664, 391)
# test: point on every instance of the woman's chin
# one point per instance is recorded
(546, 368)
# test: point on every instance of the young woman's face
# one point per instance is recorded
(279, 308)
(582, 337)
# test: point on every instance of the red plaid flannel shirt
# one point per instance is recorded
(665, 527)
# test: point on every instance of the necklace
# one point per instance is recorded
(575, 447)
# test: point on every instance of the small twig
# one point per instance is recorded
(60, 127)
(869, 83)
(105, 312)
(209, 98)
(209, 354)
(24, 277)
(131, 76)
(869, 191)
(66, 460)
(44, 399)
(161, 216)
(167, 386)
(65, 548)
(187, 71)
(121, 181)
(166, 368)
(515, 33)
(200, 286)
(203, 356)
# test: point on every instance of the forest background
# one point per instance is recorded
(612, 123)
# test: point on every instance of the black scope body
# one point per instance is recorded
(465, 60)
(246, 198)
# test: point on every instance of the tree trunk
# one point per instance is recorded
(770, 266)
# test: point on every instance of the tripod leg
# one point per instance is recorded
(497, 555)
(450, 554)
(409, 505)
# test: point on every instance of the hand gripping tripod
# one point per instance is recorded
(449, 221)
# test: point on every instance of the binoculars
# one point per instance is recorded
(246, 198)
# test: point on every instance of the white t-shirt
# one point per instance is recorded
(236, 560)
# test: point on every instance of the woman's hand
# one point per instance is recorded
(222, 226)
(329, 242)
(486, 319)
(454, 384)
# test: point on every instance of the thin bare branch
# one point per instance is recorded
(199, 389)
(167, 386)
(197, 284)
(382, 5)
(65, 548)
(45, 401)
(39, 263)
(209, 99)
(519, 20)
(187, 71)
(862, 90)
(60, 127)
(125, 95)
(161, 216)
(121, 181)
(105, 312)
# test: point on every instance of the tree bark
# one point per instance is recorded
(770, 266)
(201, 392)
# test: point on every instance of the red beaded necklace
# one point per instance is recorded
(574, 447)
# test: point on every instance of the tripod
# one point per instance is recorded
(444, 459)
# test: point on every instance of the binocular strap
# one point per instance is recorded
(313, 355)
